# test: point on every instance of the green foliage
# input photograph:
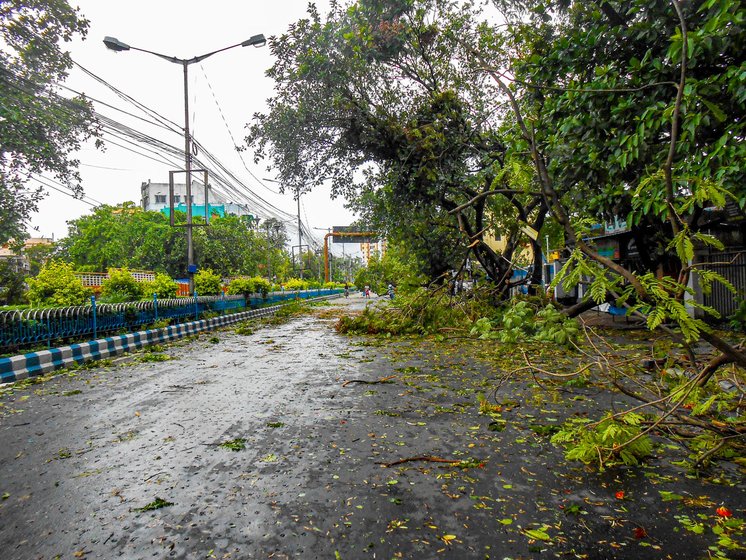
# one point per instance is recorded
(262, 286)
(163, 285)
(245, 329)
(38, 255)
(612, 441)
(207, 283)
(121, 286)
(231, 247)
(237, 444)
(396, 267)
(737, 321)
(427, 136)
(56, 286)
(294, 284)
(663, 302)
(248, 286)
(126, 236)
(520, 321)
(160, 323)
(420, 312)
(556, 327)
(12, 285)
(158, 503)
(39, 129)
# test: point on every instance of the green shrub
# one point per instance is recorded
(296, 284)
(247, 286)
(262, 285)
(163, 285)
(120, 286)
(57, 286)
(207, 283)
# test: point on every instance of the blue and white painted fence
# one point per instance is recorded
(32, 364)
(32, 327)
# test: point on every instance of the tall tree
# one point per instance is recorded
(388, 88)
(640, 104)
(124, 236)
(230, 247)
(608, 81)
(39, 129)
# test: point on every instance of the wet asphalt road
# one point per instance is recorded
(78, 458)
(80, 455)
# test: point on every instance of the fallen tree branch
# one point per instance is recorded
(364, 382)
(426, 458)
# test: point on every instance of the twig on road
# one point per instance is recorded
(364, 382)
(427, 458)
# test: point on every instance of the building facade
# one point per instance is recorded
(18, 259)
(154, 198)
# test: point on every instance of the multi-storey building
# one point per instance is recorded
(373, 248)
(155, 198)
(18, 259)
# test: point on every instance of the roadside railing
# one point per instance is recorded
(33, 327)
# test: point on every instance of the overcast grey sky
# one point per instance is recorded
(234, 78)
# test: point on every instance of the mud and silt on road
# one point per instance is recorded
(256, 450)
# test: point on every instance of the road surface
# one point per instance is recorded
(86, 458)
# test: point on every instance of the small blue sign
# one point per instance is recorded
(192, 268)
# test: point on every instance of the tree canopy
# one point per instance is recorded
(383, 100)
(126, 236)
(437, 117)
(39, 129)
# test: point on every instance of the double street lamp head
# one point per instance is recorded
(116, 45)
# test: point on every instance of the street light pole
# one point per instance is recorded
(300, 246)
(188, 175)
(119, 46)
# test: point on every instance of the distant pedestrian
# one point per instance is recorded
(367, 292)
(347, 290)
(391, 291)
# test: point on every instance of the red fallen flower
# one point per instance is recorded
(723, 511)
(619, 495)
(640, 533)
(688, 406)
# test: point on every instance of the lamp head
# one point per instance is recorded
(255, 41)
(115, 44)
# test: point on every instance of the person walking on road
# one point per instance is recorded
(347, 290)
(367, 292)
(391, 291)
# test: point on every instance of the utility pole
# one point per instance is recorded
(300, 246)
(269, 255)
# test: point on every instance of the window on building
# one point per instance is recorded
(160, 199)
(177, 199)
